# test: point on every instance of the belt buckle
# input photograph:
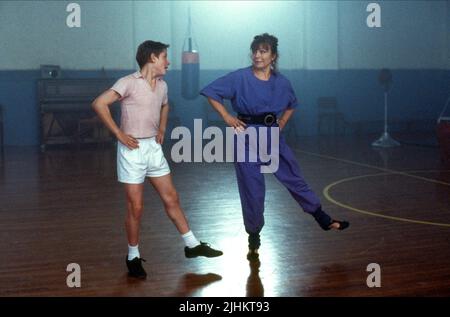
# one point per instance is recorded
(269, 119)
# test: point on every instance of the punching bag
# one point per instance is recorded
(190, 72)
(190, 66)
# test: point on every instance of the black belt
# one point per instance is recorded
(268, 119)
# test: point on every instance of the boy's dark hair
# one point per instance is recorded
(146, 49)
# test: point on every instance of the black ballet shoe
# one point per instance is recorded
(342, 225)
(253, 255)
(326, 222)
(254, 241)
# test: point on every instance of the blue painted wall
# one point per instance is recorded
(326, 49)
(415, 95)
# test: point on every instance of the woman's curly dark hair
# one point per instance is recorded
(266, 40)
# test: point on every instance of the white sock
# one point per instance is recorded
(190, 240)
(133, 252)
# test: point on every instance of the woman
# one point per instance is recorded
(260, 94)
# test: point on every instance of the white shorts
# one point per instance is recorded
(146, 161)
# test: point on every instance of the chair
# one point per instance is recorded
(330, 120)
(443, 134)
(1, 131)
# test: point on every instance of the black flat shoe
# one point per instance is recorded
(203, 249)
(135, 268)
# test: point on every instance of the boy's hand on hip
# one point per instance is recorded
(127, 140)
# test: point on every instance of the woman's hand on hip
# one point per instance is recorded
(234, 122)
(281, 123)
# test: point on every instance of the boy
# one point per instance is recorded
(144, 107)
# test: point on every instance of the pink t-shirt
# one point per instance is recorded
(140, 105)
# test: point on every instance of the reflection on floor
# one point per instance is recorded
(65, 206)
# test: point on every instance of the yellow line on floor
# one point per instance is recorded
(326, 193)
(385, 171)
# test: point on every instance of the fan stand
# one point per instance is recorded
(385, 140)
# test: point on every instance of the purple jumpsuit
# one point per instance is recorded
(252, 96)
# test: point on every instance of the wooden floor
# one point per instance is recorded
(65, 206)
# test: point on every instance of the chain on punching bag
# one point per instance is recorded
(190, 66)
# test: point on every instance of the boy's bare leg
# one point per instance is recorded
(135, 206)
(166, 190)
